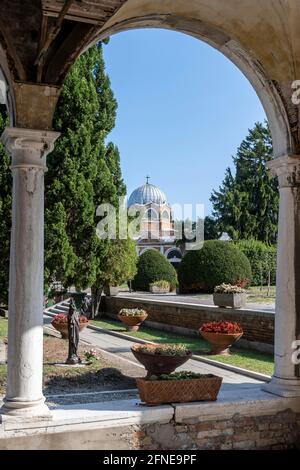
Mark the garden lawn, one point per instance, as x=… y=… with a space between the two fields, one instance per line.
x=261 y=295
x=100 y=375
x=250 y=360
x=3 y=328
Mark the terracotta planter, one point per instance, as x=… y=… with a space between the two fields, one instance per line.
x=132 y=323
x=63 y=328
x=220 y=342
x=230 y=300
x=158 y=364
x=157 y=392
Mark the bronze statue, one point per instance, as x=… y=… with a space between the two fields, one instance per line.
x=73 y=329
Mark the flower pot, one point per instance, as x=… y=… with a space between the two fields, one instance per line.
x=132 y=322
x=63 y=328
x=221 y=342
x=230 y=300
x=157 y=392
x=159 y=290
x=159 y=364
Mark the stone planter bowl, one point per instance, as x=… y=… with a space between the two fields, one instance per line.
x=220 y=342
x=132 y=323
x=230 y=300
x=63 y=328
x=159 y=364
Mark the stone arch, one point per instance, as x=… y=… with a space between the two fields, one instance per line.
x=151 y=215
x=267 y=90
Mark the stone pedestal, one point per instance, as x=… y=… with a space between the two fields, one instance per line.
x=28 y=149
x=286 y=379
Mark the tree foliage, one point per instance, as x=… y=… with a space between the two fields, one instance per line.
x=246 y=204
x=216 y=263
x=5 y=211
x=84 y=172
x=153 y=266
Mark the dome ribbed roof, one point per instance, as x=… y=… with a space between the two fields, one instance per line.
x=147 y=194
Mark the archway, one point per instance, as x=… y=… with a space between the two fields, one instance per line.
x=264 y=46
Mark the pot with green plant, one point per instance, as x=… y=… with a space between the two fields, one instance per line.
x=179 y=387
x=160 y=287
x=161 y=358
x=227 y=295
x=221 y=335
x=132 y=317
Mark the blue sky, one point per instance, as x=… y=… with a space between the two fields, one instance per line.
x=184 y=109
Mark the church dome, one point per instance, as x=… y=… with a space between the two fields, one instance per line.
x=147 y=194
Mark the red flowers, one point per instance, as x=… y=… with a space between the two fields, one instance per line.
x=226 y=327
x=63 y=318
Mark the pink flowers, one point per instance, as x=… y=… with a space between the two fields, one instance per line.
x=63 y=318
x=223 y=326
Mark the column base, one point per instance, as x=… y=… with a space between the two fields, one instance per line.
x=25 y=409
x=283 y=387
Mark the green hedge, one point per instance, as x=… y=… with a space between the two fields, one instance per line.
x=262 y=258
x=215 y=263
x=153 y=266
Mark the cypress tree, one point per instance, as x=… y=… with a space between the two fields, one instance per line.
x=246 y=204
x=5 y=211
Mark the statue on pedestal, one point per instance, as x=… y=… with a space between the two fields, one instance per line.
x=73 y=330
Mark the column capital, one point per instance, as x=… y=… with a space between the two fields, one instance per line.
x=28 y=147
x=287 y=169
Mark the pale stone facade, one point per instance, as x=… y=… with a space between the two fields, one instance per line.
x=156 y=228
x=37 y=48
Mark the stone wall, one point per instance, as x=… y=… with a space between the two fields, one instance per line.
x=280 y=431
x=258 y=326
x=267 y=432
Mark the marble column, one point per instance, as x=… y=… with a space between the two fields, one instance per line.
x=28 y=149
x=286 y=379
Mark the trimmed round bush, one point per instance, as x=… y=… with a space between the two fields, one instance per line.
x=153 y=266
x=216 y=263
x=262 y=259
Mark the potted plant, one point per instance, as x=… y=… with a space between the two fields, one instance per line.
x=160 y=287
x=179 y=387
x=227 y=295
x=221 y=335
x=161 y=358
x=60 y=323
x=132 y=317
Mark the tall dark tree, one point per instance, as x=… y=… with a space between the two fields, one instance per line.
x=84 y=172
x=246 y=204
x=5 y=211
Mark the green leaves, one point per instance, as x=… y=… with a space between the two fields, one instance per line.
x=246 y=204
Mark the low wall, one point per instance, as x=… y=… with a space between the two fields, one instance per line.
x=183 y=318
x=256 y=424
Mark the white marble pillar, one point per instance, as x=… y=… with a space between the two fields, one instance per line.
x=28 y=149
x=286 y=379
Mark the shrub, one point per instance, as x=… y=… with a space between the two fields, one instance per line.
x=153 y=266
x=262 y=259
x=229 y=289
x=216 y=263
x=162 y=349
x=132 y=312
x=226 y=327
x=63 y=318
x=183 y=375
x=162 y=284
